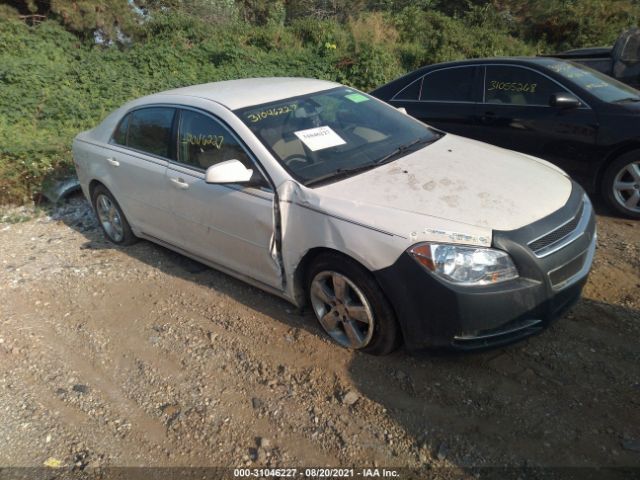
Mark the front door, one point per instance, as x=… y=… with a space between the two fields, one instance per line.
x=230 y=225
x=516 y=114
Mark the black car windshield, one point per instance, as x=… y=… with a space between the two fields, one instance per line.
x=334 y=133
x=598 y=84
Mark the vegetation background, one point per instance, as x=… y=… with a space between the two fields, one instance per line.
x=64 y=64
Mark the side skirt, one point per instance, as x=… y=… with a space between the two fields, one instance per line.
x=215 y=266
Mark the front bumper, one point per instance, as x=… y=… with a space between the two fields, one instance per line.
x=553 y=264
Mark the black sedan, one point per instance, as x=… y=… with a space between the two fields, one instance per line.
x=577 y=118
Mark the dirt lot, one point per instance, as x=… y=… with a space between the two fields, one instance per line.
x=141 y=357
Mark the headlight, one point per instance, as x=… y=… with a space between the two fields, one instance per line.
x=465 y=265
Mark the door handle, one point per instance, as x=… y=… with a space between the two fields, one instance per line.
x=113 y=162
x=179 y=183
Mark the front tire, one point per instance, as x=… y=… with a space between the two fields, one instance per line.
x=350 y=306
x=111 y=218
x=621 y=184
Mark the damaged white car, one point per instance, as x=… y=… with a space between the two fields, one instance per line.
x=389 y=230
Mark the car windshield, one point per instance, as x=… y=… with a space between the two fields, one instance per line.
x=334 y=133
x=598 y=84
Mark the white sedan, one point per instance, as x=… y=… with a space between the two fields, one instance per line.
x=388 y=229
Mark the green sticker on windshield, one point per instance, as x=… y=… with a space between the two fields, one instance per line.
x=356 y=97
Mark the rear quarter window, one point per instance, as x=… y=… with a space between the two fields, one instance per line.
x=410 y=92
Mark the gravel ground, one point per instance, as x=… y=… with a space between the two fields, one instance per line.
x=140 y=357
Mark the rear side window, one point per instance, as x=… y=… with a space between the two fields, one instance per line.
x=518 y=86
x=202 y=142
x=148 y=130
x=449 y=85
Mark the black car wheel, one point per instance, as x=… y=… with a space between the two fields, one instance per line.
x=350 y=305
x=621 y=184
x=112 y=221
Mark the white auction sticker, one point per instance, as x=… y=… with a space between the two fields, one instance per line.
x=319 y=138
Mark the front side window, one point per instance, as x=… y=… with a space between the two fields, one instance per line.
x=335 y=132
x=507 y=85
x=203 y=141
x=147 y=130
x=449 y=85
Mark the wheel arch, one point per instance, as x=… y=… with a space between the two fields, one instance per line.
x=611 y=157
x=92 y=187
x=302 y=269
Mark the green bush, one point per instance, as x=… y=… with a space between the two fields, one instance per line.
x=55 y=81
x=564 y=24
x=431 y=37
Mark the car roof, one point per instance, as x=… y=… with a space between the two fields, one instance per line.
x=386 y=91
x=235 y=94
x=515 y=60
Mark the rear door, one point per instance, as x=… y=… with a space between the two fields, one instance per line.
x=230 y=225
x=516 y=114
x=444 y=98
x=136 y=165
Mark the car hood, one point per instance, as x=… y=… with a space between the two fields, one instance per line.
x=455 y=188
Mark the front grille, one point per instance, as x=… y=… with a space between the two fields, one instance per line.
x=557 y=235
x=567 y=271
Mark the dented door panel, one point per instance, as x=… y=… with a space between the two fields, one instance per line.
x=228 y=225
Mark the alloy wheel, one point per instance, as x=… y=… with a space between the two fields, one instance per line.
x=626 y=187
x=109 y=217
x=342 y=309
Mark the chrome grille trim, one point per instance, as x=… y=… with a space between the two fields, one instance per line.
x=569 y=231
x=556 y=234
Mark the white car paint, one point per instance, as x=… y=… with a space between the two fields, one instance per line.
x=456 y=179
x=455 y=190
x=235 y=94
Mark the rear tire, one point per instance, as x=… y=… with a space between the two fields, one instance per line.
x=621 y=184
x=350 y=306
x=111 y=218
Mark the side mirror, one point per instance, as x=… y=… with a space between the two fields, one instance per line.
x=231 y=171
x=402 y=110
x=564 y=100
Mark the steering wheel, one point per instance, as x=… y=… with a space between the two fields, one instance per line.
x=291 y=160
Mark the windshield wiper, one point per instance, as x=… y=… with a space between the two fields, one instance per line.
x=402 y=149
x=346 y=172
x=340 y=173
